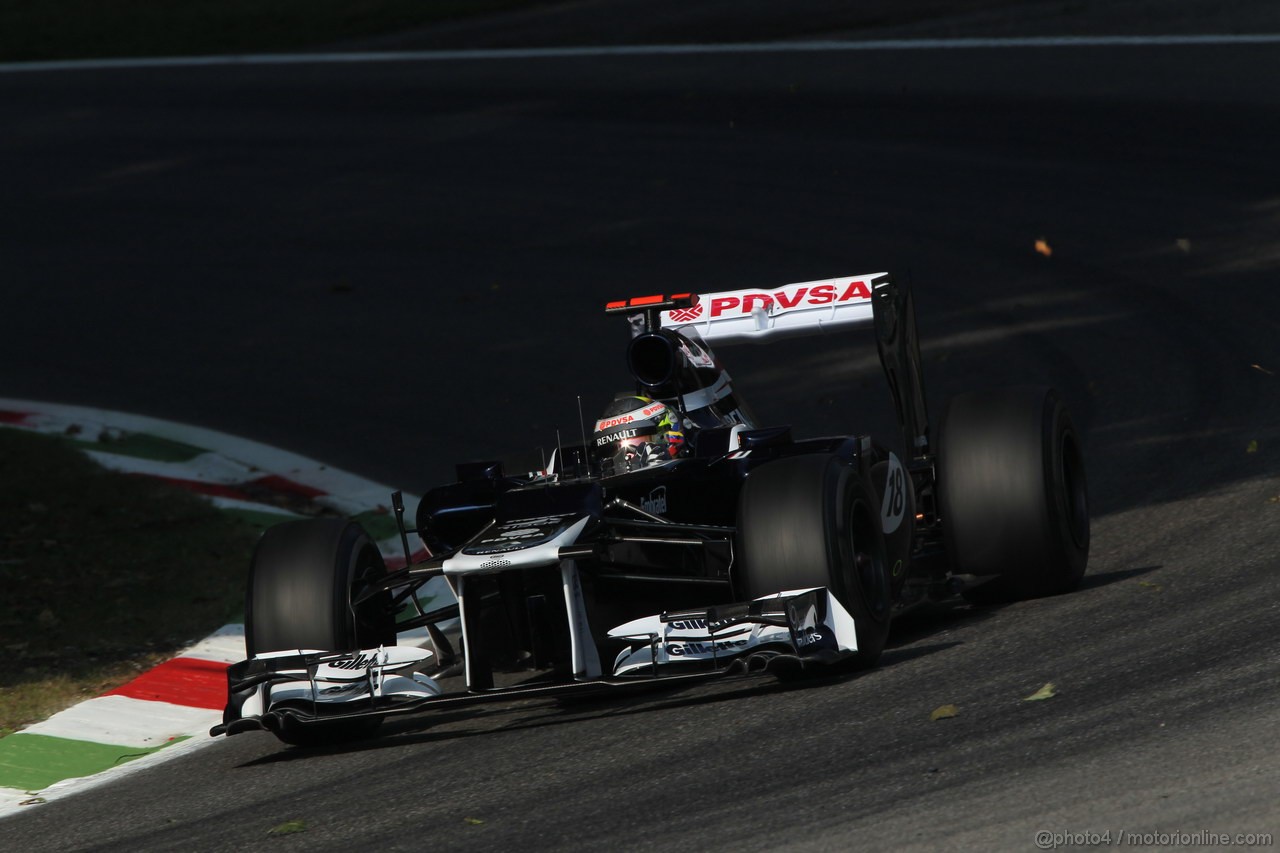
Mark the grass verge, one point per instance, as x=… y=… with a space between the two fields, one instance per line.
x=104 y=575
x=74 y=29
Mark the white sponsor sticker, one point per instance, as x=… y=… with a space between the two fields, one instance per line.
x=894 y=505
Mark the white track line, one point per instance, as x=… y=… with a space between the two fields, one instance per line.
x=634 y=50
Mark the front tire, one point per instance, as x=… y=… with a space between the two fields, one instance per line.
x=1012 y=493
x=301 y=584
x=809 y=521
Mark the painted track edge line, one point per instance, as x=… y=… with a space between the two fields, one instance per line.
x=491 y=54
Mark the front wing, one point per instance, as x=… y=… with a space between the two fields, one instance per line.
x=788 y=631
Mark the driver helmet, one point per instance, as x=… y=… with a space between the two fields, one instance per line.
x=636 y=432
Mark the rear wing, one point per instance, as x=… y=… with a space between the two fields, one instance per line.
x=760 y=315
x=756 y=316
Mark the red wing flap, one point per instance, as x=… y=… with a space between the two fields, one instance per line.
x=647 y=303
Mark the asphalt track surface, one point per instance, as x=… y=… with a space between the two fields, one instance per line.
x=392 y=267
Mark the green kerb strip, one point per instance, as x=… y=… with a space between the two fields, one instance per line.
x=34 y=762
x=143 y=446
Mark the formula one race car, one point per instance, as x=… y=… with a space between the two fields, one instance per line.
x=682 y=541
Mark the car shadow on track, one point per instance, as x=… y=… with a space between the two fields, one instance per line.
x=1106 y=578
x=930 y=621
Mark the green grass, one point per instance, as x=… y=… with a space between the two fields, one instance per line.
x=103 y=574
x=72 y=29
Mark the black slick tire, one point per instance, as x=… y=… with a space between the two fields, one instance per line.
x=809 y=521
x=1012 y=493
x=301 y=584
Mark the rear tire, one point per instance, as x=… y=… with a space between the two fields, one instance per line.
x=301 y=583
x=809 y=521
x=1012 y=493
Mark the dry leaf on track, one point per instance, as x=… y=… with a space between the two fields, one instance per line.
x=1045 y=692
x=288 y=828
